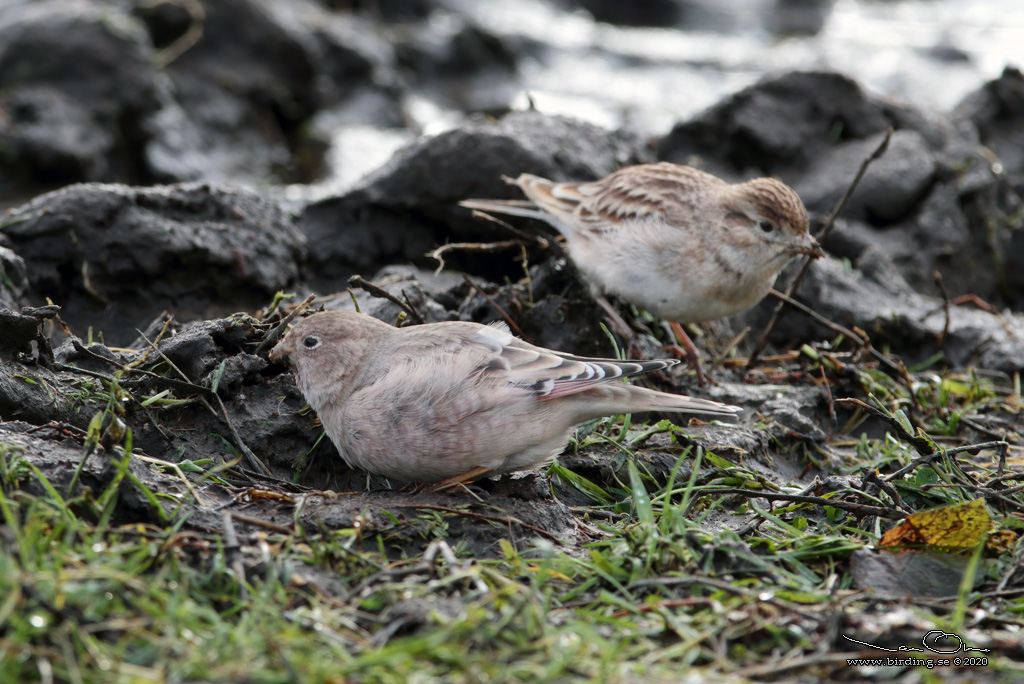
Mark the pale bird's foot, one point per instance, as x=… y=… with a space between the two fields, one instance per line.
x=457 y=480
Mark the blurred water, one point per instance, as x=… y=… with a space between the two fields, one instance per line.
x=930 y=53
x=927 y=52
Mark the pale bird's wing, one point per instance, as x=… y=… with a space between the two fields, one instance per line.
x=549 y=374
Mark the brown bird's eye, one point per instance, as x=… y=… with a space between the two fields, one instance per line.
x=311 y=342
x=766 y=226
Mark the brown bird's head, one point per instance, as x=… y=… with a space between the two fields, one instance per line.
x=774 y=216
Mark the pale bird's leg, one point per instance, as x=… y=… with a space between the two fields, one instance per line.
x=689 y=350
x=455 y=480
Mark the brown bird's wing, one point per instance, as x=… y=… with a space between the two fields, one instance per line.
x=549 y=374
x=636 y=193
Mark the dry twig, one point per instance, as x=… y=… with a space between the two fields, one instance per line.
x=829 y=223
x=504 y=314
x=378 y=291
x=274 y=335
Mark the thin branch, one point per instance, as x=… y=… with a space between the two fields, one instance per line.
x=855 y=508
x=829 y=223
x=922 y=445
x=729 y=587
x=378 y=291
x=859 y=339
x=274 y=335
x=192 y=35
x=470 y=247
x=941 y=341
x=538 y=240
x=504 y=314
x=246 y=451
x=259 y=522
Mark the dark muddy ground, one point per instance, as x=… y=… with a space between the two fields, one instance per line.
x=128 y=250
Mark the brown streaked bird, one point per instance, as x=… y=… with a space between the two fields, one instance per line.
x=678 y=242
x=458 y=400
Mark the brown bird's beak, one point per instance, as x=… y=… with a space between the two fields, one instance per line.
x=812 y=248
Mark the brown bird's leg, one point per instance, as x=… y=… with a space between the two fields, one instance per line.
x=455 y=480
x=689 y=350
x=620 y=327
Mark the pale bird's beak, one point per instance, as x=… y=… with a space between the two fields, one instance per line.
x=280 y=353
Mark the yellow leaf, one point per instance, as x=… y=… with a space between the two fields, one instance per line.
x=957 y=527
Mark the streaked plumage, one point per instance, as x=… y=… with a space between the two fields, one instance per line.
x=681 y=243
x=434 y=401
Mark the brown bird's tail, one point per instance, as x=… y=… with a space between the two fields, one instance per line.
x=524 y=208
x=550 y=202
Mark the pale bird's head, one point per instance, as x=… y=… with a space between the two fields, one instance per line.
x=328 y=345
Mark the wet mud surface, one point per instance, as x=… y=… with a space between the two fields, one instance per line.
x=139 y=274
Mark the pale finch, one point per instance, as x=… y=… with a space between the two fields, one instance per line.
x=671 y=239
x=455 y=401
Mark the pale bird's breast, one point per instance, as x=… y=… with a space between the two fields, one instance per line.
x=672 y=274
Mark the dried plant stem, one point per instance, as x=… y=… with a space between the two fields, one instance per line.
x=829 y=223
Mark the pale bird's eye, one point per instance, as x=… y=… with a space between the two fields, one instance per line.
x=311 y=342
x=766 y=226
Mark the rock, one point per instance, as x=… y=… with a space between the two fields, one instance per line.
x=31 y=389
x=997 y=110
x=78 y=85
x=650 y=13
x=238 y=95
x=208 y=132
x=50 y=139
x=258 y=50
x=791 y=412
x=798 y=17
x=925 y=208
x=21 y=335
x=58 y=460
x=877 y=300
x=993 y=202
x=352 y=54
x=95 y=358
x=779 y=126
x=409 y=206
x=13 y=279
x=892 y=187
x=117 y=256
x=953 y=232
x=915 y=573
x=456 y=61
x=450 y=45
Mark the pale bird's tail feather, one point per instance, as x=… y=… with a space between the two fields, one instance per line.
x=615 y=398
